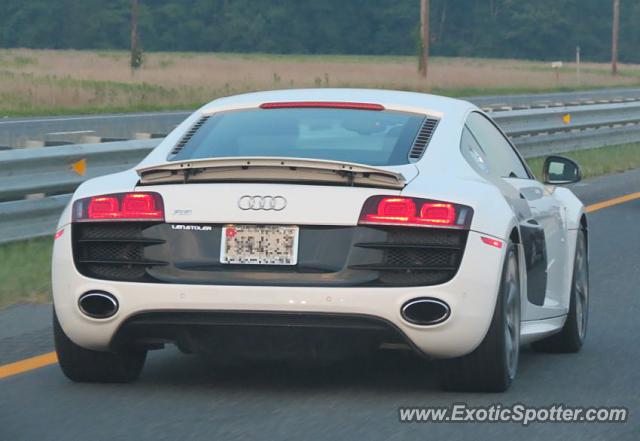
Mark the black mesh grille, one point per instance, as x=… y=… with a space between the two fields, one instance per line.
x=414 y=278
x=427 y=236
x=423 y=138
x=408 y=257
x=128 y=273
x=327 y=256
x=417 y=256
x=110 y=231
x=113 y=251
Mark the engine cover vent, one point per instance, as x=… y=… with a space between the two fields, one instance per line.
x=187 y=136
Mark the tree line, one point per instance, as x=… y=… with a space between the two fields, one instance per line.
x=531 y=29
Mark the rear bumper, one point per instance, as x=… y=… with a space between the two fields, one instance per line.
x=471 y=295
x=232 y=336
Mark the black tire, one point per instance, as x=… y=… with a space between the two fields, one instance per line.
x=492 y=366
x=571 y=338
x=86 y=366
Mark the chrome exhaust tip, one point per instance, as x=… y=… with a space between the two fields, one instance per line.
x=98 y=304
x=425 y=311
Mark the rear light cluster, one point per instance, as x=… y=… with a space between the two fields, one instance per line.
x=136 y=206
x=414 y=212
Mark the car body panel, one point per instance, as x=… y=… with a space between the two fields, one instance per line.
x=471 y=296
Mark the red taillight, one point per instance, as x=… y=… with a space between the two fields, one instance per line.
x=438 y=213
x=394 y=210
x=322 y=104
x=120 y=206
x=142 y=206
x=103 y=207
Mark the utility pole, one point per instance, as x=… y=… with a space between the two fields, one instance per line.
x=614 y=39
x=424 y=35
x=578 y=65
x=135 y=53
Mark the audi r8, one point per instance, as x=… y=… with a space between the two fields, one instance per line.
x=323 y=224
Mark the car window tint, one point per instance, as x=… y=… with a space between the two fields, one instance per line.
x=503 y=161
x=472 y=152
x=360 y=136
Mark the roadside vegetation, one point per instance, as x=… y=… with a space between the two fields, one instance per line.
x=600 y=161
x=25 y=267
x=541 y=30
x=54 y=82
x=25 y=272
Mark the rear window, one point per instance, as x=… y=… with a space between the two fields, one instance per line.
x=360 y=136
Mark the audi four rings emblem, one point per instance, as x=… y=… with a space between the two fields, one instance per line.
x=274 y=203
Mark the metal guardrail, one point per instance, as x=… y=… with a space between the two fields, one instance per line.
x=548 y=144
x=17 y=132
x=30 y=218
x=48 y=170
x=556 y=99
x=43 y=175
x=57 y=130
x=563 y=119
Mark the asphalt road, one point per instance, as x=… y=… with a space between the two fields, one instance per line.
x=182 y=397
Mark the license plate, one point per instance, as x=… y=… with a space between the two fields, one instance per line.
x=259 y=245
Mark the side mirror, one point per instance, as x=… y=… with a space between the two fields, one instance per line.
x=559 y=170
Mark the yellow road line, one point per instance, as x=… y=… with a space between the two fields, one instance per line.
x=611 y=202
x=29 y=364
x=50 y=358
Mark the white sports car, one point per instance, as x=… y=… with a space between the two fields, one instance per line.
x=322 y=223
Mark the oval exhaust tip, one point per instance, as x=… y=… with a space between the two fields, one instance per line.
x=425 y=311
x=98 y=304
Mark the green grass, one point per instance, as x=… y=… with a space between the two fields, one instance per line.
x=137 y=96
x=84 y=110
x=313 y=58
x=25 y=266
x=17 y=61
x=47 y=82
x=25 y=272
x=600 y=161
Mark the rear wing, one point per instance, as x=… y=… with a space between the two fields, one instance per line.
x=270 y=169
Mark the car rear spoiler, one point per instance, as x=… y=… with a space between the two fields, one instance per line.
x=269 y=169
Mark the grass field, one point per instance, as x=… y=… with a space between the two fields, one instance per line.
x=597 y=162
x=42 y=82
x=25 y=271
x=25 y=266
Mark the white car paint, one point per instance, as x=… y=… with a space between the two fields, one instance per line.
x=442 y=174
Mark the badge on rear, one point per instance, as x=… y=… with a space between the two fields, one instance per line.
x=191 y=227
